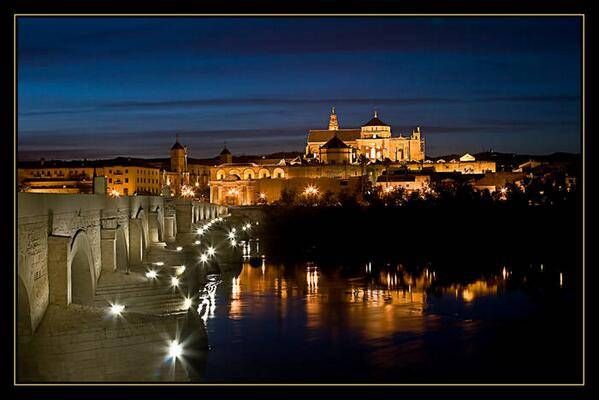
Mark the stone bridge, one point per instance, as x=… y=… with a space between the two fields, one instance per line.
x=66 y=241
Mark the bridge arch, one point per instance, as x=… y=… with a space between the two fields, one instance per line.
x=81 y=266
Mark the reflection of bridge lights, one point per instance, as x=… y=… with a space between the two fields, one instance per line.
x=204 y=258
x=561 y=279
x=504 y=273
x=175 y=350
x=187 y=303
x=211 y=251
x=151 y=274
x=117 y=309
x=174 y=281
x=467 y=295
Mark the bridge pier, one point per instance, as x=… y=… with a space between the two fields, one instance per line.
x=169 y=229
x=136 y=245
x=108 y=249
x=154 y=227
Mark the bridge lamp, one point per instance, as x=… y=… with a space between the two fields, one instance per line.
x=175 y=350
x=179 y=248
x=196 y=242
x=180 y=269
x=159 y=263
x=248 y=226
x=211 y=251
x=204 y=258
x=231 y=235
x=233 y=230
x=187 y=303
x=174 y=281
x=151 y=274
x=117 y=309
x=244 y=228
x=233 y=242
x=200 y=231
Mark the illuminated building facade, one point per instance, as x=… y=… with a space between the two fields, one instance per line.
x=373 y=140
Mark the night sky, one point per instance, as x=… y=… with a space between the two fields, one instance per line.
x=104 y=87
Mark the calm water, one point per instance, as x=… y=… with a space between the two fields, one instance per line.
x=380 y=323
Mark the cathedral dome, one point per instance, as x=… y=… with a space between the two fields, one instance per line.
x=375 y=121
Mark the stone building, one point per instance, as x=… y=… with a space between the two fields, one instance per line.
x=374 y=140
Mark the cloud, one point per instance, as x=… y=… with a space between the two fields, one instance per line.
x=140 y=105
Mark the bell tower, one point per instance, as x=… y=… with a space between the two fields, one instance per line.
x=333 y=122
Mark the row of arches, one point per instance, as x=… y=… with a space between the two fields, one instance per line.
x=250 y=173
x=72 y=274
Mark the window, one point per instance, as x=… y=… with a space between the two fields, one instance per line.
x=109 y=180
x=110 y=171
x=126 y=171
x=126 y=180
x=126 y=191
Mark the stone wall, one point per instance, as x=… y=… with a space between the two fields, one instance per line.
x=43 y=215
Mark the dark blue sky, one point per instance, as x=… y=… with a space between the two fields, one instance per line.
x=102 y=87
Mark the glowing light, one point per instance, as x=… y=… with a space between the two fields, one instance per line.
x=151 y=274
x=263 y=196
x=233 y=242
x=179 y=248
x=211 y=251
x=187 y=191
x=504 y=273
x=541 y=267
x=200 y=231
x=187 y=303
x=561 y=279
x=388 y=189
x=233 y=230
x=175 y=350
x=311 y=190
x=159 y=263
x=117 y=309
x=114 y=193
x=174 y=281
x=244 y=228
x=231 y=234
x=197 y=242
x=467 y=295
x=204 y=258
x=180 y=269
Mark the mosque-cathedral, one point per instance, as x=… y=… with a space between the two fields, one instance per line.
x=335 y=159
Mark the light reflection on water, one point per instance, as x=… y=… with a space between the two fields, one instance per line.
x=268 y=323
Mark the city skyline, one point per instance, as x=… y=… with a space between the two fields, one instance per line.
x=106 y=87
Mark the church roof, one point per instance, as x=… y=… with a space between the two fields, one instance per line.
x=323 y=135
x=177 y=146
x=334 y=143
x=225 y=151
x=375 y=122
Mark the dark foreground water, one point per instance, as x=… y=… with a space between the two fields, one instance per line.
x=386 y=323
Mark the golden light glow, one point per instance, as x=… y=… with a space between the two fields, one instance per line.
x=114 y=193
x=311 y=190
x=187 y=191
